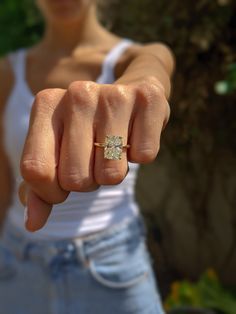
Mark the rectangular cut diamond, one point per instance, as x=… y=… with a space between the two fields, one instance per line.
x=113 y=147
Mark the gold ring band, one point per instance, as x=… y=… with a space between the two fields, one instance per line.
x=104 y=145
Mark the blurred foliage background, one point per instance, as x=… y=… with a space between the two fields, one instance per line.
x=188 y=195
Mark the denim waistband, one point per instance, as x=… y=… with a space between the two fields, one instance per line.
x=79 y=248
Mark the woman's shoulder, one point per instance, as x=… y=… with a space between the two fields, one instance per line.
x=6 y=80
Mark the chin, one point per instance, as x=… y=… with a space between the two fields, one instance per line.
x=64 y=9
x=65 y=6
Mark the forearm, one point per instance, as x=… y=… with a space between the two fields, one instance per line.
x=150 y=62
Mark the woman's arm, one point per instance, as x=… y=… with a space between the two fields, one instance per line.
x=151 y=60
x=6 y=182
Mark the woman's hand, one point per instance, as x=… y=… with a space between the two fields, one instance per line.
x=59 y=155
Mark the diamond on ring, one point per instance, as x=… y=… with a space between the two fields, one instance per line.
x=113 y=147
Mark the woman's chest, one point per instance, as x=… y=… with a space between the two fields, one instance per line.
x=60 y=73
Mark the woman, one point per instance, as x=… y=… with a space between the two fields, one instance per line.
x=88 y=254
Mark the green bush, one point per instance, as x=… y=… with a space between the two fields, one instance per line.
x=207 y=293
x=20 y=24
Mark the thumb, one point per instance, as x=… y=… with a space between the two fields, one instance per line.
x=22 y=192
x=37 y=211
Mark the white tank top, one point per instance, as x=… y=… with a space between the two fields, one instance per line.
x=81 y=213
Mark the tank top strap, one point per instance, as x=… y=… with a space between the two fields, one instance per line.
x=17 y=61
x=107 y=74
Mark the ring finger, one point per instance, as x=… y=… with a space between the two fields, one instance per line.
x=113 y=120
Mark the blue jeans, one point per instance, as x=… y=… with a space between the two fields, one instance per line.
x=109 y=272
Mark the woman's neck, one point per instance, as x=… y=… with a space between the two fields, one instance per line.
x=65 y=37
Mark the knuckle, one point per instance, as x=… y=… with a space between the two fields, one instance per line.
x=110 y=176
x=75 y=182
x=113 y=96
x=144 y=155
x=82 y=93
x=47 y=99
x=43 y=96
x=120 y=93
x=48 y=95
x=150 y=92
x=74 y=87
x=35 y=170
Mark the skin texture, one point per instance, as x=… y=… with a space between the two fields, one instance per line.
x=73 y=112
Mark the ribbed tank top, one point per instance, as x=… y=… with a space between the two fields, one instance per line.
x=81 y=213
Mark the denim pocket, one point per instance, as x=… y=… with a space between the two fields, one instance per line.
x=8 y=264
x=120 y=266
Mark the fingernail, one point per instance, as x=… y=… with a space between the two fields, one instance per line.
x=26 y=215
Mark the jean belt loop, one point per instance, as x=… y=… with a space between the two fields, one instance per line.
x=80 y=251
